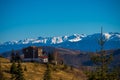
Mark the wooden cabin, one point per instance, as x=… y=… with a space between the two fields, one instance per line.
x=33 y=53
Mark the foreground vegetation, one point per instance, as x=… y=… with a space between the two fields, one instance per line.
x=37 y=71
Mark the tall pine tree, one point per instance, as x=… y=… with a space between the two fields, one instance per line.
x=13 y=68
x=19 y=75
x=47 y=74
x=102 y=60
x=16 y=72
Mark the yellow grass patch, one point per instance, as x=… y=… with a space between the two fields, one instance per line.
x=35 y=71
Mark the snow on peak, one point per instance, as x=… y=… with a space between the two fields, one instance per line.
x=65 y=37
x=112 y=36
x=76 y=37
x=60 y=39
x=66 y=41
x=56 y=40
x=75 y=40
x=107 y=35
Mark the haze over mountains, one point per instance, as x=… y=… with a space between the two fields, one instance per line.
x=82 y=42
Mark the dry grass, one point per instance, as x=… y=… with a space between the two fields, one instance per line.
x=35 y=71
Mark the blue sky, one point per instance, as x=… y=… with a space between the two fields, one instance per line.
x=20 y=19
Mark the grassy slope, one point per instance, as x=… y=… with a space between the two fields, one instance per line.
x=36 y=71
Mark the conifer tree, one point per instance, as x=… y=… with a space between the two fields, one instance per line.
x=47 y=74
x=102 y=61
x=16 y=72
x=13 y=68
x=19 y=75
x=13 y=71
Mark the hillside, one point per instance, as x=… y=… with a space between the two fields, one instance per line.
x=35 y=71
x=75 y=57
x=78 y=58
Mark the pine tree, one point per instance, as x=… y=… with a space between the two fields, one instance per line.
x=13 y=69
x=16 y=72
x=19 y=75
x=102 y=61
x=47 y=74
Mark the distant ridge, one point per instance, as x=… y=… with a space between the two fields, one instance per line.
x=81 y=42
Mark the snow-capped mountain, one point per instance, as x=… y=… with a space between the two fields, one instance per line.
x=76 y=41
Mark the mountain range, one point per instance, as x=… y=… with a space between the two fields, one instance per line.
x=82 y=42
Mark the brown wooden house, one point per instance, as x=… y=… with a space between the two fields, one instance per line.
x=34 y=53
